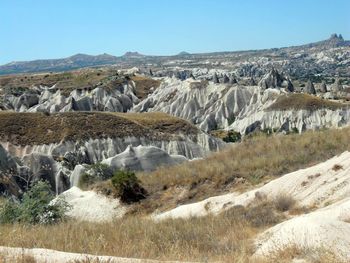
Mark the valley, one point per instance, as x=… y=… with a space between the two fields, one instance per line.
x=213 y=157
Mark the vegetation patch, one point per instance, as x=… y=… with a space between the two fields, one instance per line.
x=35 y=207
x=220 y=238
x=299 y=101
x=128 y=187
x=38 y=128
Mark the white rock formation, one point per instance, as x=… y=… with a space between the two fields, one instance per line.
x=140 y=158
x=208 y=105
x=241 y=108
x=92 y=207
x=326 y=229
x=45 y=161
x=143 y=158
x=190 y=146
x=46 y=99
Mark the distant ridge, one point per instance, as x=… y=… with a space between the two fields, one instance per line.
x=73 y=62
x=83 y=60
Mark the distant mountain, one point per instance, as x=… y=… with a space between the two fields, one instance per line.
x=73 y=62
x=133 y=55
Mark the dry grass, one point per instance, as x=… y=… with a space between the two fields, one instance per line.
x=86 y=79
x=284 y=202
x=161 y=122
x=144 y=85
x=38 y=128
x=227 y=237
x=16 y=259
x=240 y=166
x=299 y=101
x=291 y=253
x=197 y=239
x=65 y=81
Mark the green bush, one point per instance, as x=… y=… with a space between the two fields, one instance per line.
x=128 y=187
x=232 y=136
x=35 y=207
x=9 y=212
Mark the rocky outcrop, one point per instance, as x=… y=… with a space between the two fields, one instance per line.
x=215 y=78
x=225 y=79
x=8 y=173
x=336 y=86
x=275 y=80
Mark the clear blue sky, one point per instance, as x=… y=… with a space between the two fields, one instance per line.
x=35 y=29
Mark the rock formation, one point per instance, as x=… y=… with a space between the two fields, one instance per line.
x=336 y=86
x=275 y=80
x=323 y=87
x=226 y=79
x=309 y=88
x=215 y=79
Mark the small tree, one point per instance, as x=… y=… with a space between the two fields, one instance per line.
x=36 y=207
x=128 y=186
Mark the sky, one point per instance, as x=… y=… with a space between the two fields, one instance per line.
x=45 y=29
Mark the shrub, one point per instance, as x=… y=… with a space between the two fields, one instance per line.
x=284 y=202
x=232 y=136
x=128 y=186
x=9 y=212
x=36 y=207
x=260 y=214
